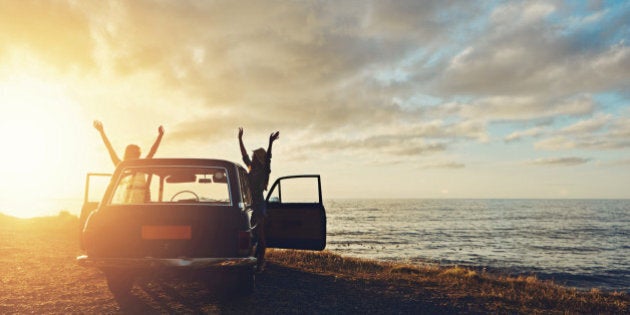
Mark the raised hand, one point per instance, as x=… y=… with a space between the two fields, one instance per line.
x=98 y=125
x=274 y=136
x=240 y=132
x=161 y=130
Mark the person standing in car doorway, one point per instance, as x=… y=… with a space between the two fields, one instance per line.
x=137 y=190
x=259 y=168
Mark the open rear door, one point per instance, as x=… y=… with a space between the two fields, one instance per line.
x=95 y=185
x=296 y=217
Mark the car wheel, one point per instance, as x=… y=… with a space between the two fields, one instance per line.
x=119 y=282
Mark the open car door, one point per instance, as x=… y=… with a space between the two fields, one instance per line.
x=296 y=218
x=95 y=185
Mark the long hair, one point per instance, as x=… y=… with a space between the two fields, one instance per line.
x=259 y=156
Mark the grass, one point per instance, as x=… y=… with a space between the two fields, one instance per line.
x=489 y=291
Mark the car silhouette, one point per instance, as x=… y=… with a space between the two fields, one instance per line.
x=182 y=216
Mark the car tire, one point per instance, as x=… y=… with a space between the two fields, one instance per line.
x=119 y=282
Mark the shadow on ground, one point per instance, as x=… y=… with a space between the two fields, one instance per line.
x=281 y=290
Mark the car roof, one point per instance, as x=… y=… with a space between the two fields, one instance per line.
x=178 y=161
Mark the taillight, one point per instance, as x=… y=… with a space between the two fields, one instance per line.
x=244 y=242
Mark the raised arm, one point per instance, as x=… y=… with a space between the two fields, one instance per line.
x=156 y=144
x=246 y=159
x=112 y=154
x=273 y=137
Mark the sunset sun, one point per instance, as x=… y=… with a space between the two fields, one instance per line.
x=41 y=143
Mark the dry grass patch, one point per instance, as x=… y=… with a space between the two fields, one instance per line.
x=496 y=292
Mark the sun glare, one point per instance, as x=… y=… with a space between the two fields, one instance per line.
x=41 y=143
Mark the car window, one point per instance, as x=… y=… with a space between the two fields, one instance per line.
x=131 y=188
x=295 y=189
x=182 y=184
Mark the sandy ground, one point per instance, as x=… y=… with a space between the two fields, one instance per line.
x=38 y=274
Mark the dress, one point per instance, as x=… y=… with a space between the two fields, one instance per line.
x=258 y=177
x=132 y=189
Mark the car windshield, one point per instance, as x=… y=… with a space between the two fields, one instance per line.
x=172 y=184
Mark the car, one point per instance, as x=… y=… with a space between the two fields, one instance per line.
x=182 y=215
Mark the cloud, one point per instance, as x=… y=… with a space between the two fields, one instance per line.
x=595 y=143
x=518 y=135
x=590 y=125
x=392 y=145
x=318 y=71
x=352 y=76
x=525 y=52
x=438 y=129
x=561 y=161
x=521 y=13
x=255 y=55
x=600 y=132
x=443 y=165
x=400 y=138
x=619 y=162
x=59 y=33
x=519 y=108
x=620 y=128
x=555 y=143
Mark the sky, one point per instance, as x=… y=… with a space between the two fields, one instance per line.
x=384 y=99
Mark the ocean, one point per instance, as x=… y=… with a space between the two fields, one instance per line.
x=578 y=243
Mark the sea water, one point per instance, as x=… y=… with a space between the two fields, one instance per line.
x=578 y=243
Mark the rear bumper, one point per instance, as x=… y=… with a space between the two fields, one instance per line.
x=178 y=263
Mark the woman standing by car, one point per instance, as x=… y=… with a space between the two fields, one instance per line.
x=259 y=168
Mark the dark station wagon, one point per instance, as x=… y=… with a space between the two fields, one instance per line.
x=193 y=215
